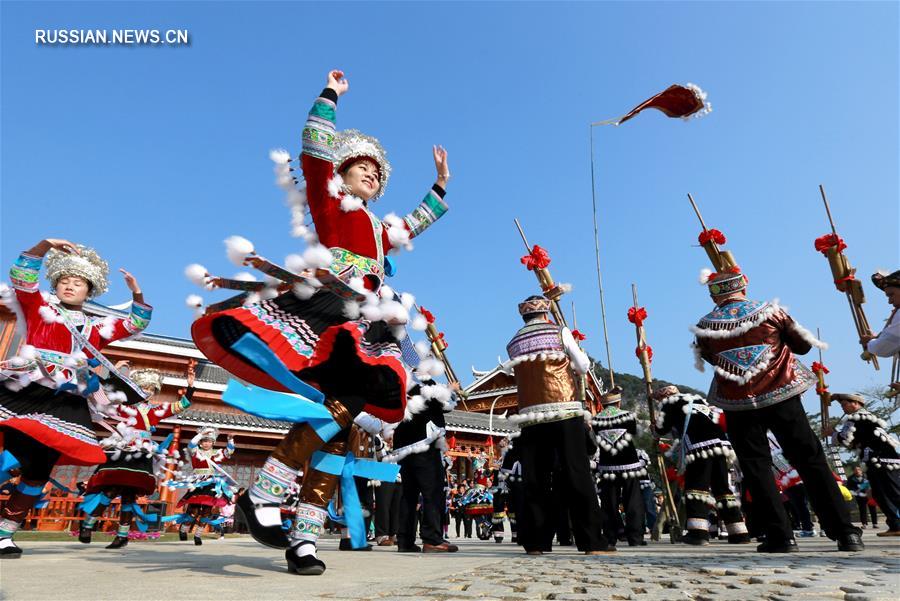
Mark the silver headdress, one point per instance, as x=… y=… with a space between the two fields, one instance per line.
x=352 y=144
x=148 y=378
x=87 y=265
x=209 y=432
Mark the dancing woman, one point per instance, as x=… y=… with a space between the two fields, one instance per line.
x=132 y=457
x=322 y=339
x=44 y=414
x=208 y=486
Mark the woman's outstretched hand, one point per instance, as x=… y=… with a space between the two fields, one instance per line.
x=337 y=82
x=440 y=164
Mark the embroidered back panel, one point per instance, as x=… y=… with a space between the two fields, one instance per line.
x=536 y=338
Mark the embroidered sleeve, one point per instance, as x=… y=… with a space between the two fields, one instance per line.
x=398 y=232
x=317 y=161
x=228 y=451
x=165 y=410
x=24 y=273
x=136 y=322
x=319 y=131
x=24 y=278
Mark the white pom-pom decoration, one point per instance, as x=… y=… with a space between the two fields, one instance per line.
x=196 y=273
x=280 y=156
x=705 y=275
x=334 y=186
x=350 y=203
x=398 y=235
x=419 y=323
x=318 y=256
x=237 y=248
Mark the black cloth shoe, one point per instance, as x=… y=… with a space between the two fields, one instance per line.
x=851 y=542
x=306 y=565
x=409 y=549
x=118 y=542
x=788 y=546
x=197 y=540
x=738 y=539
x=639 y=543
x=270 y=536
x=347 y=545
x=695 y=538
x=498 y=539
x=10 y=552
x=182 y=536
x=84 y=534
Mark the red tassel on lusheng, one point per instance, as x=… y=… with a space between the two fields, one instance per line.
x=578 y=335
x=536 y=259
x=715 y=235
x=426 y=314
x=823 y=243
x=817 y=367
x=647 y=348
x=637 y=315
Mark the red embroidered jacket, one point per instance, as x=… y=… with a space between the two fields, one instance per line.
x=43 y=320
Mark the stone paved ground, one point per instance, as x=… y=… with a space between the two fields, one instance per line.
x=240 y=569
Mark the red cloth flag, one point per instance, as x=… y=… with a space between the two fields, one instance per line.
x=674 y=101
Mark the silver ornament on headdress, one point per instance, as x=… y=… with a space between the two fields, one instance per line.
x=209 y=432
x=147 y=378
x=87 y=265
x=352 y=144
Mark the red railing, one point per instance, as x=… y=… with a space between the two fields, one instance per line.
x=62 y=514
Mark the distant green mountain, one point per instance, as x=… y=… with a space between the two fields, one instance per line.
x=634 y=395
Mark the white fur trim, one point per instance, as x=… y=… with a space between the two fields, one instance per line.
x=808 y=336
x=745 y=327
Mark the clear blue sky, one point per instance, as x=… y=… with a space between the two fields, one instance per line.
x=155 y=154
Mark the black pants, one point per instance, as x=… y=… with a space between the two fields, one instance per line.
x=422 y=473
x=461 y=517
x=797 y=496
x=387 y=508
x=862 y=504
x=711 y=476
x=542 y=445
x=628 y=493
x=886 y=492
x=787 y=421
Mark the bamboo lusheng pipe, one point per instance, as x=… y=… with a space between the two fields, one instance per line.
x=722 y=260
x=845 y=281
x=822 y=390
x=644 y=358
x=553 y=293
